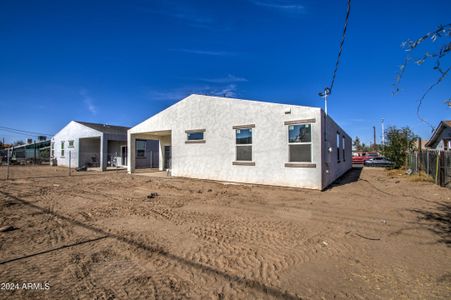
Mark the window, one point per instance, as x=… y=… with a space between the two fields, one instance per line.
x=243 y=144
x=71 y=144
x=140 y=149
x=195 y=136
x=62 y=148
x=300 y=143
x=343 y=142
x=338 y=147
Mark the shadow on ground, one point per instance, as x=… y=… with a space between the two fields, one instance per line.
x=353 y=175
x=437 y=220
x=246 y=282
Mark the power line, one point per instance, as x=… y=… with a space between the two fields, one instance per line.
x=19 y=131
x=328 y=90
x=343 y=36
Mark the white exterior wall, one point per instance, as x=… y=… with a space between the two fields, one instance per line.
x=332 y=168
x=72 y=131
x=213 y=159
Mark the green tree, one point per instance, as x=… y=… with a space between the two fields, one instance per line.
x=357 y=144
x=399 y=141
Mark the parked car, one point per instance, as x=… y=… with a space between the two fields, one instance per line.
x=361 y=157
x=379 y=162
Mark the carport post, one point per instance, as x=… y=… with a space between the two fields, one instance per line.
x=103 y=152
x=131 y=141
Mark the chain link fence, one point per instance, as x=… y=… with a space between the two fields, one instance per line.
x=38 y=164
x=20 y=164
x=436 y=164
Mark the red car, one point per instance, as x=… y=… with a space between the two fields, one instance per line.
x=360 y=157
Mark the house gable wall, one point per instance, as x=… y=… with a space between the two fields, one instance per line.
x=214 y=158
x=72 y=131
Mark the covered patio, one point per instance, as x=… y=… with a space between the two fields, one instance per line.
x=164 y=149
x=102 y=152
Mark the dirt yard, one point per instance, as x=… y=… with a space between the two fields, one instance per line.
x=373 y=235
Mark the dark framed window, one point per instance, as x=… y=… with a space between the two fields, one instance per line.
x=343 y=143
x=243 y=137
x=62 y=148
x=338 y=147
x=71 y=144
x=195 y=136
x=300 y=143
x=141 y=148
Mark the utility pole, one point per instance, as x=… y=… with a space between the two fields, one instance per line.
x=374 y=137
x=383 y=132
x=324 y=95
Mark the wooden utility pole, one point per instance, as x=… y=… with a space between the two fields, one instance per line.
x=374 y=137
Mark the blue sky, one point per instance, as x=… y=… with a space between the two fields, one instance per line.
x=121 y=62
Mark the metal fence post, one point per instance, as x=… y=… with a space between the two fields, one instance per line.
x=7 y=166
x=70 y=159
x=436 y=167
x=416 y=162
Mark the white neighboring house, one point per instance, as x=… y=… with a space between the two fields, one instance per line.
x=95 y=145
x=247 y=141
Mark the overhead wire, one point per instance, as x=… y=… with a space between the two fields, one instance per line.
x=19 y=131
x=328 y=90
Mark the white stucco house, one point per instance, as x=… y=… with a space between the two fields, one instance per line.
x=99 y=146
x=247 y=141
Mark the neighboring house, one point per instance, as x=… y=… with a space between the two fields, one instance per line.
x=95 y=145
x=34 y=152
x=247 y=141
x=441 y=137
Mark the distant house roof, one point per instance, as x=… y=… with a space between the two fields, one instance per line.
x=438 y=131
x=105 y=128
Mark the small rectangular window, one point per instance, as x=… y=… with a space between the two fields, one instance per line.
x=62 y=148
x=195 y=136
x=71 y=144
x=244 y=144
x=300 y=143
x=338 y=147
x=140 y=149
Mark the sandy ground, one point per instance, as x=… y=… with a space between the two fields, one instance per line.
x=374 y=235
